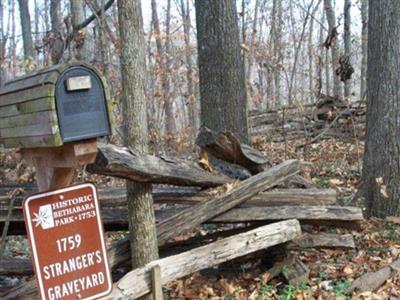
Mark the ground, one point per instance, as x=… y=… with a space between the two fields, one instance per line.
x=336 y=164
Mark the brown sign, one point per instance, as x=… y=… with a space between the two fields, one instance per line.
x=67 y=241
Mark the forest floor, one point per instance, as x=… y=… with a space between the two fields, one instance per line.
x=337 y=165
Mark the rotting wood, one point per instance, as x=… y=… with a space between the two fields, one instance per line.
x=194 y=216
x=123 y=163
x=116 y=197
x=227 y=147
x=295 y=271
x=207 y=256
x=323 y=240
x=336 y=213
x=373 y=280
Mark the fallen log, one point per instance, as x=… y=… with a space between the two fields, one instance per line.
x=115 y=218
x=115 y=197
x=227 y=147
x=328 y=213
x=373 y=280
x=180 y=265
x=322 y=240
x=195 y=215
x=121 y=162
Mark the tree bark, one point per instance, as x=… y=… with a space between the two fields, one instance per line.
x=347 y=43
x=364 y=47
x=142 y=230
x=332 y=27
x=57 y=43
x=25 y=18
x=191 y=94
x=221 y=69
x=78 y=16
x=381 y=170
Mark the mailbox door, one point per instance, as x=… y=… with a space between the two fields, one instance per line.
x=81 y=105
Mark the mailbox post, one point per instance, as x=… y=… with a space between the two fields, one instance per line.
x=55 y=116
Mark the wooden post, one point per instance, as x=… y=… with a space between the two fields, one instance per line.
x=156 y=283
x=55 y=165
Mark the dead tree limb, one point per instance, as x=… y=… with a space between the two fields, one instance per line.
x=121 y=162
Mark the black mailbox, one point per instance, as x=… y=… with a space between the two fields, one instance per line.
x=64 y=103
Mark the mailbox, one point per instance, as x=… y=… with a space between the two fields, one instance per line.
x=64 y=103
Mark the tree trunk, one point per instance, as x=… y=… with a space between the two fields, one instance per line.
x=163 y=70
x=221 y=68
x=25 y=18
x=277 y=49
x=78 y=16
x=2 y=44
x=191 y=95
x=143 y=237
x=347 y=43
x=56 y=44
x=364 y=46
x=381 y=171
x=330 y=15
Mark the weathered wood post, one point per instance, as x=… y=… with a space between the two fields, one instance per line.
x=54 y=116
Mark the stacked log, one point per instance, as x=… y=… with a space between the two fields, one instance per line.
x=334 y=118
x=205 y=197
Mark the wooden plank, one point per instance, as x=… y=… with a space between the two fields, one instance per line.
x=121 y=162
x=41 y=104
x=180 y=265
x=38 y=92
x=323 y=240
x=197 y=214
x=156 y=284
x=36 y=118
x=119 y=252
x=336 y=213
x=46 y=140
x=29 y=131
x=44 y=76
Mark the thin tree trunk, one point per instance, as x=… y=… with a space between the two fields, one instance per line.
x=191 y=95
x=25 y=19
x=277 y=49
x=364 y=47
x=347 y=43
x=296 y=54
x=2 y=44
x=321 y=54
x=252 y=41
x=78 y=16
x=330 y=15
x=221 y=68
x=142 y=230
x=57 y=43
x=381 y=168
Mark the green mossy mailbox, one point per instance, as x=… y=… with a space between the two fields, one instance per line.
x=54 y=106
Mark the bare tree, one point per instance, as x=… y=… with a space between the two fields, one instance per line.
x=191 y=96
x=56 y=41
x=78 y=17
x=381 y=168
x=221 y=69
x=331 y=42
x=276 y=30
x=347 y=43
x=364 y=46
x=142 y=230
x=25 y=18
x=163 y=71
